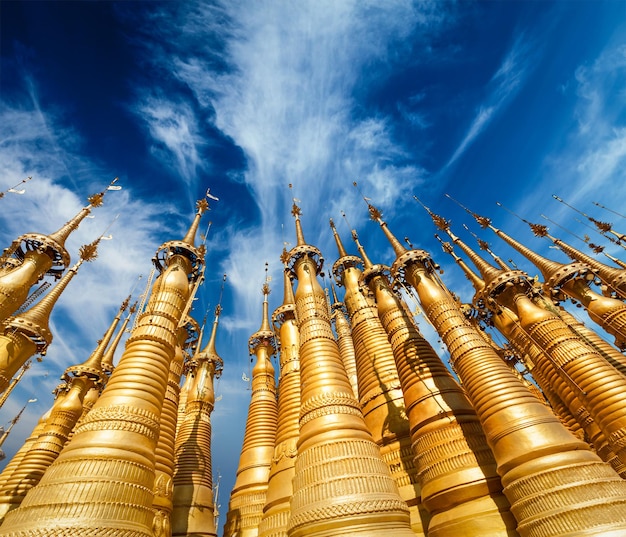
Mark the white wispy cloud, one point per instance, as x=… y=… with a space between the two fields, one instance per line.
x=173 y=127
x=279 y=80
x=501 y=88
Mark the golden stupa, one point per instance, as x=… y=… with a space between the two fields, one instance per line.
x=358 y=428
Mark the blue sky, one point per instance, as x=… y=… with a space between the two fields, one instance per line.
x=486 y=101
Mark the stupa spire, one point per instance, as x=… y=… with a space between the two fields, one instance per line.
x=380 y=395
x=193 y=500
x=248 y=496
x=362 y=498
x=613 y=278
x=603 y=228
x=438 y=409
x=110 y=461
x=557 y=457
x=477 y=282
x=344 y=340
x=109 y=354
x=32 y=255
x=13 y=422
x=164 y=453
x=573 y=281
x=28 y=333
x=484 y=245
x=14 y=382
x=64 y=415
x=276 y=512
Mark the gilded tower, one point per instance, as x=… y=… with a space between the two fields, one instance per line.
x=279 y=489
x=32 y=255
x=341 y=486
x=553 y=482
x=379 y=389
x=65 y=413
x=249 y=493
x=601 y=387
x=193 y=475
x=564 y=398
x=460 y=485
x=344 y=340
x=28 y=333
x=103 y=481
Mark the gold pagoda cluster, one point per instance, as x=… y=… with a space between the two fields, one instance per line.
x=123 y=450
x=362 y=429
x=367 y=431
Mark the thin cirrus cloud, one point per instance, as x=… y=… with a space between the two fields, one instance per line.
x=502 y=87
x=593 y=154
x=281 y=86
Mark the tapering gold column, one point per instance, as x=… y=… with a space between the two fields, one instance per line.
x=28 y=333
x=573 y=281
x=602 y=389
x=21 y=453
x=279 y=489
x=344 y=340
x=36 y=255
x=556 y=486
x=380 y=392
x=460 y=485
x=102 y=482
x=194 y=507
x=341 y=486
x=65 y=413
x=614 y=278
x=563 y=400
x=162 y=503
x=249 y=493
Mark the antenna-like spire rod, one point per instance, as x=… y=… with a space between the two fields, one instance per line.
x=484 y=245
x=602 y=227
x=14 y=421
x=14 y=190
x=607 y=209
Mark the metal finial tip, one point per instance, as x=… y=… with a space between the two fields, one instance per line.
x=88 y=252
x=202 y=206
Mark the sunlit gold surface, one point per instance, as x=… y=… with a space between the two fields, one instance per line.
x=341 y=485
x=460 y=485
x=380 y=393
x=249 y=493
x=102 y=482
x=279 y=489
x=194 y=507
x=538 y=459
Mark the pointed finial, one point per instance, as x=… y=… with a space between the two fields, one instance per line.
x=474 y=279
x=107 y=359
x=95 y=200
x=439 y=221
x=202 y=205
x=34 y=322
x=482 y=221
x=376 y=215
x=603 y=207
x=92 y=367
x=264 y=335
x=340 y=248
x=366 y=260
x=296 y=212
